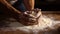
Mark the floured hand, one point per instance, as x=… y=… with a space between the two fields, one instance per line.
x=29 y=17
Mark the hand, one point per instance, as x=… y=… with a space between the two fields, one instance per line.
x=29 y=17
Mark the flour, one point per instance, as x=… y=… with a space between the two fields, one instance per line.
x=43 y=23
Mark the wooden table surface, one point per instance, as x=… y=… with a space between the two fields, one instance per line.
x=52 y=14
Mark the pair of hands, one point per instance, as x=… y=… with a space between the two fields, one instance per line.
x=29 y=17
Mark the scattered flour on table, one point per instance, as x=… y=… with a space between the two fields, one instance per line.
x=44 y=22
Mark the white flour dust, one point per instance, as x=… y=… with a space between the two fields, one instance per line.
x=44 y=22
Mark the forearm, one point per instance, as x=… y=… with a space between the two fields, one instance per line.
x=9 y=6
x=29 y=4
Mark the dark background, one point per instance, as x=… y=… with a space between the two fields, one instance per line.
x=48 y=5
